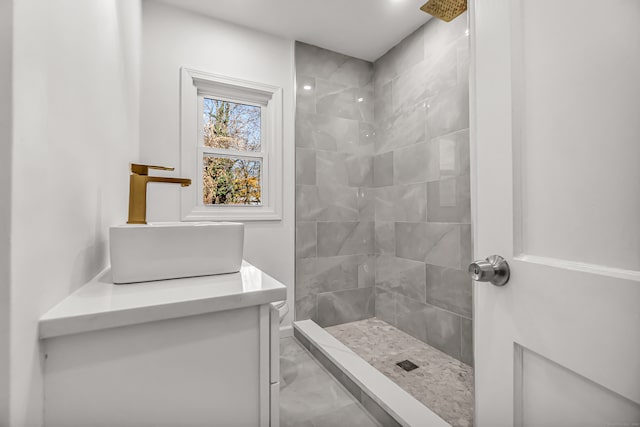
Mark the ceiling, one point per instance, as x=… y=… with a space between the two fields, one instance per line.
x=364 y=29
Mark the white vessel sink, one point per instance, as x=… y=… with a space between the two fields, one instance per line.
x=170 y=250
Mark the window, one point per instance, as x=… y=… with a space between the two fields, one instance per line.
x=231 y=140
x=231 y=133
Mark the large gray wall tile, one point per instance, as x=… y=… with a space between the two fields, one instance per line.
x=442 y=73
x=306 y=307
x=449 y=289
x=466 y=352
x=385 y=305
x=444 y=245
x=411 y=50
x=326 y=203
x=337 y=203
x=318 y=62
x=424 y=80
x=411 y=317
x=439 y=36
x=452 y=153
x=403 y=276
x=334 y=99
x=366 y=204
x=466 y=246
x=359 y=170
x=386 y=68
x=316 y=275
x=305 y=166
x=385 y=238
x=367 y=272
x=415 y=163
x=345 y=169
x=326 y=132
x=345 y=238
x=354 y=72
x=331 y=168
x=383 y=169
x=438 y=328
x=433 y=243
x=403 y=129
x=410 y=88
x=443 y=330
x=382 y=106
x=345 y=306
x=448 y=200
x=307 y=208
x=385 y=204
x=315 y=61
x=306 y=238
x=367 y=141
x=448 y=111
x=401 y=203
x=305 y=98
x=404 y=55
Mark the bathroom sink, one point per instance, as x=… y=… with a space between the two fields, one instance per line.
x=170 y=250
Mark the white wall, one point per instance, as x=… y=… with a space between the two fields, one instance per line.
x=173 y=38
x=6 y=27
x=75 y=130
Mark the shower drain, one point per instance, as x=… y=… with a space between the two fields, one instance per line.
x=407 y=365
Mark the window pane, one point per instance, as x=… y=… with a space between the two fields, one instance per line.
x=231 y=181
x=229 y=125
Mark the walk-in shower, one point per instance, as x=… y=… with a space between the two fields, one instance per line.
x=383 y=233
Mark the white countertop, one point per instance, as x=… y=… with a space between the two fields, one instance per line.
x=100 y=304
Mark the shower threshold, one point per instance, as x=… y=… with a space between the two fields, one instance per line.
x=441 y=382
x=384 y=399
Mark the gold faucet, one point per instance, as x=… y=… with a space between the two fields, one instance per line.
x=138 y=190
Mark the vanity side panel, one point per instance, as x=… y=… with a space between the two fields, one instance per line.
x=196 y=371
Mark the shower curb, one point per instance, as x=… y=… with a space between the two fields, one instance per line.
x=381 y=397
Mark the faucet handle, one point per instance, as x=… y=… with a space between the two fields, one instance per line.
x=144 y=169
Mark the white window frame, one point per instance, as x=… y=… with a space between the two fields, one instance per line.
x=196 y=85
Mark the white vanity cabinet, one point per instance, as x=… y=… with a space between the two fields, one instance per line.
x=186 y=352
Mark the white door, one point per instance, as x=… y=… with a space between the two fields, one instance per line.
x=555 y=96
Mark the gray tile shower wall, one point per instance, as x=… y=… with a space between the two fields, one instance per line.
x=422 y=191
x=382 y=187
x=335 y=229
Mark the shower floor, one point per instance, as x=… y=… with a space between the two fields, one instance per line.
x=442 y=383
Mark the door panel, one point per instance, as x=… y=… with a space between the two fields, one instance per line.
x=556 y=191
x=549 y=392
x=580 y=146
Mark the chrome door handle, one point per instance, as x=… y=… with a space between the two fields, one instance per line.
x=494 y=269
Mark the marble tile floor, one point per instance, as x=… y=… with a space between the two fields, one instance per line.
x=311 y=397
x=442 y=383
